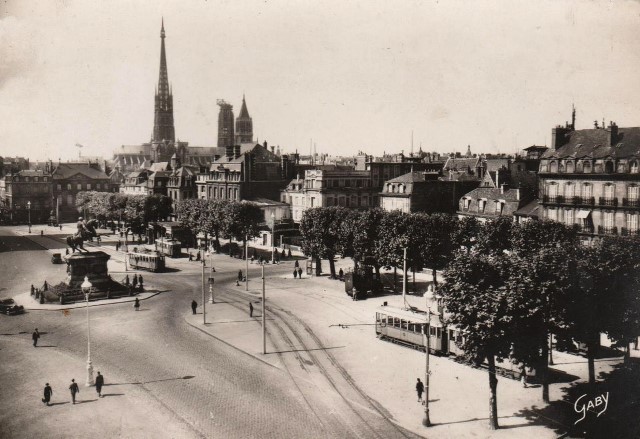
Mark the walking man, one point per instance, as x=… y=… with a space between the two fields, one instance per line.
x=48 y=391
x=194 y=305
x=295 y=273
x=99 y=384
x=140 y=281
x=35 y=336
x=73 y=388
x=419 y=389
x=523 y=375
x=137 y=304
x=250 y=309
x=299 y=272
x=134 y=282
x=240 y=277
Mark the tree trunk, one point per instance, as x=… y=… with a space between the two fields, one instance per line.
x=592 y=348
x=435 y=277
x=543 y=371
x=413 y=272
x=332 y=267
x=318 y=266
x=395 y=273
x=493 y=399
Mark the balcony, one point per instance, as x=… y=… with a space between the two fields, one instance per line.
x=631 y=202
x=587 y=201
x=553 y=199
x=613 y=202
x=602 y=230
x=585 y=228
x=629 y=232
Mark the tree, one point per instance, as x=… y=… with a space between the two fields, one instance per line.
x=320 y=228
x=241 y=220
x=466 y=232
x=476 y=298
x=494 y=236
x=215 y=218
x=393 y=237
x=436 y=246
x=531 y=236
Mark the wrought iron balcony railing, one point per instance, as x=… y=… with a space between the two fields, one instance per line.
x=606 y=201
x=604 y=230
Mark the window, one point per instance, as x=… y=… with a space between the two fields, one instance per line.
x=79 y=186
x=609 y=191
x=586 y=167
x=586 y=190
x=69 y=200
x=634 y=166
x=481 y=205
x=466 y=201
x=552 y=214
x=570 y=166
x=553 y=166
x=633 y=192
x=312 y=201
x=88 y=186
x=35 y=179
x=607 y=218
x=569 y=190
x=59 y=187
x=568 y=217
x=498 y=207
x=632 y=221
x=552 y=190
x=68 y=186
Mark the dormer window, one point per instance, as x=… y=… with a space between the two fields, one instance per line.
x=634 y=166
x=586 y=167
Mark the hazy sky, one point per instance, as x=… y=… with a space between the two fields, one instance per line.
x=351 y=75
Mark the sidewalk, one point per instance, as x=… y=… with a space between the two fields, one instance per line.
x=31 y=304
x=387 y=372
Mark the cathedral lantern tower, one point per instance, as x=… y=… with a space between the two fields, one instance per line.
x=163 y=129
x=244 y=125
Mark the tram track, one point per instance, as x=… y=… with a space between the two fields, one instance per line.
x=300 y=338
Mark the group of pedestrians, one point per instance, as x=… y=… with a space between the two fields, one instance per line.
x=73 y=389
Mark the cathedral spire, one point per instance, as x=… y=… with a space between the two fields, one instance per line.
x=163 y=128
x=244 y=125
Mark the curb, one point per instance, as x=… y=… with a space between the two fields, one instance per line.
x=83 y=305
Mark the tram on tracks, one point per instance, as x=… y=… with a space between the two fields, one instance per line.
x=152 y=261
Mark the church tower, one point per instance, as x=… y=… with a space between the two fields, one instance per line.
x=163 y=129
x=244 y=125
x=225 y=124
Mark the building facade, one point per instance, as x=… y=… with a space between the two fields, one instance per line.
x=591 y=178
x=70 y=178
x=329 y=187
x=28 y=196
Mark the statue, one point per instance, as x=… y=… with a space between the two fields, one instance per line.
x=85 y=230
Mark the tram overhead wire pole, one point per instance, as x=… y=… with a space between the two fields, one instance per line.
x=246 y=257
x=204 y=302
x=264 y=313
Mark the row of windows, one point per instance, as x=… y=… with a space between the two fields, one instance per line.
x=35 y=179
x=87 y=186
x=229 y=193
x=587 y=166
x=393 y=188
x=338 y=182
x=608 y=218
x=586 y=190
x=482 y=205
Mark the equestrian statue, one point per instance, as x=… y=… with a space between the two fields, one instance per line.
x=86 y=231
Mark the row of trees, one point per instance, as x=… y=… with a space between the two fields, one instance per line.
x=509 y=286
x=229 y=219
x=135 y=210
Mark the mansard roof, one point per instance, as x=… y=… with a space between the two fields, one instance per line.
x=594 y=143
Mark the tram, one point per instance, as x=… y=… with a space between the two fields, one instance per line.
x=169 y=247
x=152 y=261
x=363 y=280
x=409 y=327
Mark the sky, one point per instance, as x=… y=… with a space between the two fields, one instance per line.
x=347 y=76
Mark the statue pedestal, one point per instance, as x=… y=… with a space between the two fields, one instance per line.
x=90 y=264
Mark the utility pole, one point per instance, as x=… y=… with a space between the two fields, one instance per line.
x=246 y=257
x=264 y=320
x=204 y=302
x=404 y=277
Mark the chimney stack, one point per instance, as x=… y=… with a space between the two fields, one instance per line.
x=613 y=133
x=236 y=151
x=229 y=151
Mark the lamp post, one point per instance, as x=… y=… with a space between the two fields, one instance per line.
x=204 y=304
x=246 y=258
x=426 y=421
x=86 y=289
x=29 y=210
x=273 y=236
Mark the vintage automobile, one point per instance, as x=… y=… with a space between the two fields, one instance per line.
x=10 y=308
x=56 y=258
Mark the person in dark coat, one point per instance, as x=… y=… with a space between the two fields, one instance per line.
x=419 y=389
x=99 y=384
x=190 y=257
x=295 y=273
x=137 y=304
x=140 y=281
x=194 y=305
x=126 y=280
x=73 y=388
x=300 y=272
x=35 y=336
x=341 y=274
x=240 y=277
x=134 y=282
x=250 y=309
x=48 y=391
x=296 y=264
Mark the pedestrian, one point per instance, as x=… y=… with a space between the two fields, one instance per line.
x=194 y=305
x=137 y=304
x=99 y=239
x=355 y=295
x=198 y=256
x=117 y=246
x=135 y=280
x=341 y=274
x=296 y=264
x=240 y=277
x=250 y=309
x=60 y=226
x=295 y=273
x=35 y=336
x=419 y=389
x=523 y=375
x=140 y=281
x=126 y=280
x=99 y=384
x=289 y=254
x=33 y=290
x=48 y=391
x=300 y=272
x=190 y=257
x=45 y=286
x=635 y=344
x=73 y=388
x=41 y=232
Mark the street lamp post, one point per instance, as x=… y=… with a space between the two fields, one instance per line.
x=29 y=210
x=86 y=289
x=211 y=281
x=426 y=421
x=246 y=258
x=204 y=304
x=273 y=236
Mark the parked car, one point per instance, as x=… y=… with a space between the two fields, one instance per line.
x=56 y=258
x=10 y=308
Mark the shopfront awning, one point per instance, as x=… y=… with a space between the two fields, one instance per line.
x=583 y=214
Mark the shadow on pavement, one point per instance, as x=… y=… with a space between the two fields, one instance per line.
x=307 y=350
x=85 y=401
x=112 y=394
x=58 y=403
x=621 y=419
x=187 y=377
x=47 y=346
